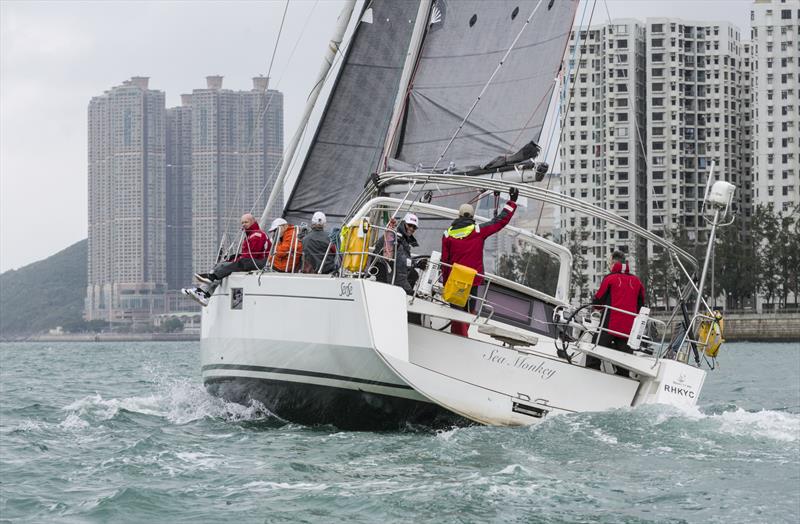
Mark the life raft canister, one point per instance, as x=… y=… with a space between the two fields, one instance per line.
x=710 y=334
x=356 y=241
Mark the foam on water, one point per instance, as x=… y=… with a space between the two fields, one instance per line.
x=180 y=401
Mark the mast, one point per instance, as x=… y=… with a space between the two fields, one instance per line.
x=333 y=48
x=393 y=135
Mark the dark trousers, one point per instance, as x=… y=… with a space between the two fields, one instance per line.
x=224 y=269
x=610 y=341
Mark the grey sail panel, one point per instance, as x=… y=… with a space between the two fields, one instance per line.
x=351 y=136
x=465 y=42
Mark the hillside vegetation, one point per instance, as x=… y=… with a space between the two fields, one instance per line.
x=45 y=294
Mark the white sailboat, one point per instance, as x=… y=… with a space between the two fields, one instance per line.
x=428 y=84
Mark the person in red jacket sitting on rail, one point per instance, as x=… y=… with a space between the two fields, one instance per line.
x=252 y=256
x=463 y=244
x=622 y=290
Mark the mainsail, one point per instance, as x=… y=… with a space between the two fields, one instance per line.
x=363 y=129
x=465 y=43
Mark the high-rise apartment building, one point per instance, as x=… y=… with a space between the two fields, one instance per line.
x=237 y=144
x=694 y=104
x=775 y=34
x=179 y=194
x=126 y=265
x=602 y=134
x=649 y=107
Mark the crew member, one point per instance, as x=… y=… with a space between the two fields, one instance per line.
x=401 y=240
x=621 y=290
x=252 y=256
x=463 y=244
x=318 y=247
x=288 y=247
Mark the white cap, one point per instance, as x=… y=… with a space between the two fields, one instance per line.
x=411 y=219
x=466 y=210
x=318 y=218
x=278 y=222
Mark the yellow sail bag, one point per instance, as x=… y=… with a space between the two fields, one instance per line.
x=458 y=285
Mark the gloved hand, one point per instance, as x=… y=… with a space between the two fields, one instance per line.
x=513 y=193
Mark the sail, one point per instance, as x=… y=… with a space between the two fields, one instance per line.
x=465 y=43
x=351 y=134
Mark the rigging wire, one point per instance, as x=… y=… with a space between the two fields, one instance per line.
x=480 y=95
x=486 y=86
x=242 y=166
x=338 y=56
x=566 y=85
x=283 y=73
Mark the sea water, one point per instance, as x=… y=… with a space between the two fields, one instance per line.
x=125 y=432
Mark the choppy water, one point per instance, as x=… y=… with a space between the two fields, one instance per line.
x=125 y=433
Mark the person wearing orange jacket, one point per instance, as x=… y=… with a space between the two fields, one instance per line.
x=463 y=244
x=288 y=247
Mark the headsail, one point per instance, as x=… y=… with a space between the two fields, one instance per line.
x=465 y=42
x=351 y=135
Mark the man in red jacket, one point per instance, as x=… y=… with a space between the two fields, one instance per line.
x=622 y=290
x=463 y=244
x=252 y=256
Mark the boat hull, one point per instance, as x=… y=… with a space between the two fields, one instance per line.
x=303 y=346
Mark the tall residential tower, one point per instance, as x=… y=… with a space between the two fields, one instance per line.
x=649 y=107
x=237 y=144
x=126 y=266
x=775 y=33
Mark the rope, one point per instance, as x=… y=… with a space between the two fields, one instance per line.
x=261 y=114
x=488 y=83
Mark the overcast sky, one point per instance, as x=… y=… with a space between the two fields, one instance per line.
x=54 y=56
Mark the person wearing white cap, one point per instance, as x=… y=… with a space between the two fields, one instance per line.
x=288 y=247
x=318 y=249
x=400 y=251
x=255 y=246
x=463 y=244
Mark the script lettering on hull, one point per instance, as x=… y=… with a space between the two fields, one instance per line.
x=535 y=366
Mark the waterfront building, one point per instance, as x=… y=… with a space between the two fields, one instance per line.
x=237 y=144
x=694 y=103
x=602 y=133
x=646 y=109
x=126 y=171
x=775 y=44
x=179 y=194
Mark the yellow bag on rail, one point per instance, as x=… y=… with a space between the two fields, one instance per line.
x=458 y=285
x=356 y=240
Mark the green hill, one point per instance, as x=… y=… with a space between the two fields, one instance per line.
x=45 y=294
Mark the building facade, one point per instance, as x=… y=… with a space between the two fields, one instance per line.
x=602 y=137
x=775 y=34
x=179 y=194
x=651 y=105
x=126 y=168
x=694 y=101
x=237 y=144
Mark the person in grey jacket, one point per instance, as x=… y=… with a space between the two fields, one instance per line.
x=316 y=244
x=402 y=239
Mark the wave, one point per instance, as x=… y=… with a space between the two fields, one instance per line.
x=180 y=401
